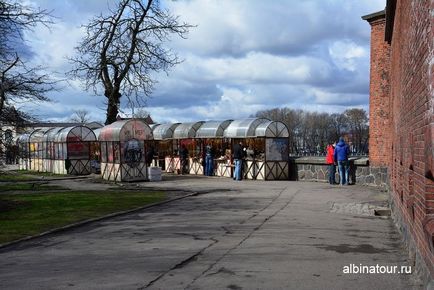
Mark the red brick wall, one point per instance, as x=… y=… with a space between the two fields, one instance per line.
x=379 y=91
x=412 y=127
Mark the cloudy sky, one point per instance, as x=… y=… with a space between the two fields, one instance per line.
x=243 y=56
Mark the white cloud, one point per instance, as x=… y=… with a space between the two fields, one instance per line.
x=244 y=56
x=346 y=54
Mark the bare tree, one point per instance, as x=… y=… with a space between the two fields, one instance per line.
x=358 y=127
x=121 y=50
x=80 y=116
x=141 y=114
x=309 y=132
x=19 y=82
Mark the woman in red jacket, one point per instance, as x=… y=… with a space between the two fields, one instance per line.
x=331 y=162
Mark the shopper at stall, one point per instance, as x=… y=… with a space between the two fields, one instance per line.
x=209 y=160
x=183 y=156
x=238 y=160
x=150 y=156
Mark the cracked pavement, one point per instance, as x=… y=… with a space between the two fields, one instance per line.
x=233 y=235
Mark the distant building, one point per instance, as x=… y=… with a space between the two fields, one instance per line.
x=402 y=120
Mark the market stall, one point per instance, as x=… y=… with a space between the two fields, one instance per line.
x=123 y=150
x=211 y=133
x=274 y=164
x=185 y=134
x=266 y=147
x=164 y=145
x=72 y=150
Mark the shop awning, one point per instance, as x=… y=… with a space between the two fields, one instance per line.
x=125 y=130
x=96 y=132
x=186 y=130
x=75 y=134
x=23 y=138
x=164 y=131
x=50 y=135
x=272 y=129
x=243 y=128
x=212 y=129
x=37 y=135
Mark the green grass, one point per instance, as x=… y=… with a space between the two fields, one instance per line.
x=24 y=215
x=29 y=172
x=14 y=177
x=28 y=186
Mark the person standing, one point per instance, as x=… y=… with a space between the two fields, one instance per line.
x=209 y=160
x=238 y=159
x=342 y=151
x=183 y=156
x=331 y=162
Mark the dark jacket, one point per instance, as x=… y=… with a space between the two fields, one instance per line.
x=183 y=153
x=342 y=151
x=238 y=152
x=209 y=151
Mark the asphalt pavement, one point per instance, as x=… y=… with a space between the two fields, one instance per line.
x=230 y=235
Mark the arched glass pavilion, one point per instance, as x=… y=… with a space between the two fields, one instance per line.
x=266 y=145
x=123 y=150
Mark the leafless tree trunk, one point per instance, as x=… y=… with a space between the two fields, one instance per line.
x=120 y=51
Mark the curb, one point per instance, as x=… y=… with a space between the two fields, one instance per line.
x=42 y=179
x=89 y=221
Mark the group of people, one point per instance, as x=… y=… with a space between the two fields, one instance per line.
x=208 y=159
x=337 y=155
x=239 y=153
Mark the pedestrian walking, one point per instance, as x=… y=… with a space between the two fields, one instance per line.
x=342 y=151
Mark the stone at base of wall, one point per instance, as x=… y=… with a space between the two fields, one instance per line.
x=315 y=169
x=420 y=272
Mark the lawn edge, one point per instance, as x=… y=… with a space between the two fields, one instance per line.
x=4 y=246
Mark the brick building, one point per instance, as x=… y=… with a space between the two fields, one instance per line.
x=402 y=119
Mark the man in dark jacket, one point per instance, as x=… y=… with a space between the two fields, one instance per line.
x=183 y=156
x=342 y=151
x=238 y=159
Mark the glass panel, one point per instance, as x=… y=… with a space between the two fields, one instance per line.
x=132 y=152
x=103 y=151
x=110 y=156
x=126 y=130
x=212 y=129
x=277 y=149
x=164 y=131
x=243 y=128
x=186 y=130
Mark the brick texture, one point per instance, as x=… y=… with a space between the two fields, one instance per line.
x=402 y=116
x=379 y=102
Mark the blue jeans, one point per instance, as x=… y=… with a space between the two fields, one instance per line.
x=344 y=171
x=238 y=169
x=332 y=171
x=209 y=166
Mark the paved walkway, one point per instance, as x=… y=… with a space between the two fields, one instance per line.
x=232 y=235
